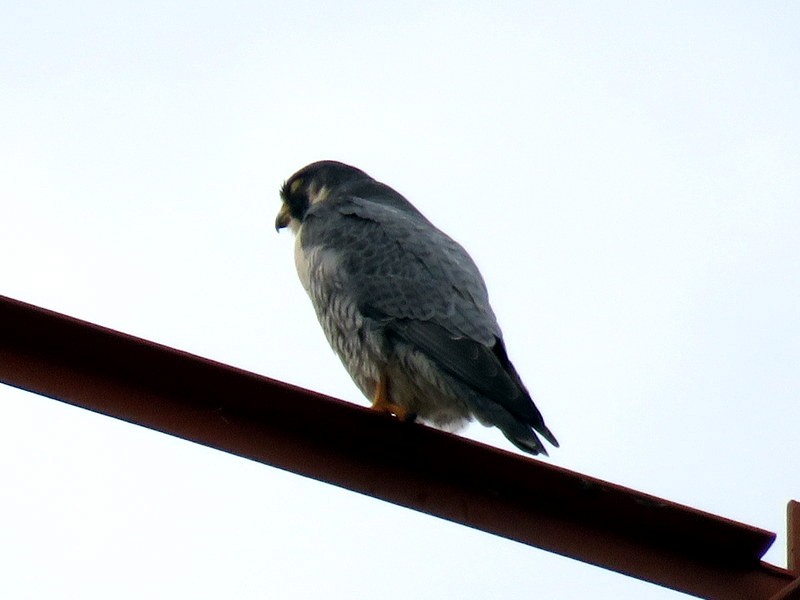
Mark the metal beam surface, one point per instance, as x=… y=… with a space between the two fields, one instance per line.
x=793 y=536
x=409 y=465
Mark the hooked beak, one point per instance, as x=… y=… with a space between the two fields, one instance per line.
x=283 y=218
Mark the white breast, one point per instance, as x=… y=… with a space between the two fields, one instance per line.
x=301 y=260
x=317 y=267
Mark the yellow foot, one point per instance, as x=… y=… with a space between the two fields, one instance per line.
x=381 y=402
x=392 y=409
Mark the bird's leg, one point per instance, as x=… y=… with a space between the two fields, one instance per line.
x=382 y=403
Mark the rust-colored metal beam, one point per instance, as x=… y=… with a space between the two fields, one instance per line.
x=790 y=592
x=414 y=466
x=793 y=536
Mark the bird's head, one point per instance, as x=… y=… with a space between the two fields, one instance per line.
x=311 y=185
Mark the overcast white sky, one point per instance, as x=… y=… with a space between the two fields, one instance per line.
x=627 y=176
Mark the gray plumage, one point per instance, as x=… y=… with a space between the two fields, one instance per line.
x=402 y=302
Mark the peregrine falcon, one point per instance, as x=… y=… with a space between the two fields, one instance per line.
x=403 y=305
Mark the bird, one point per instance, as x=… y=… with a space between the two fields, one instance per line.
x=404 y=306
